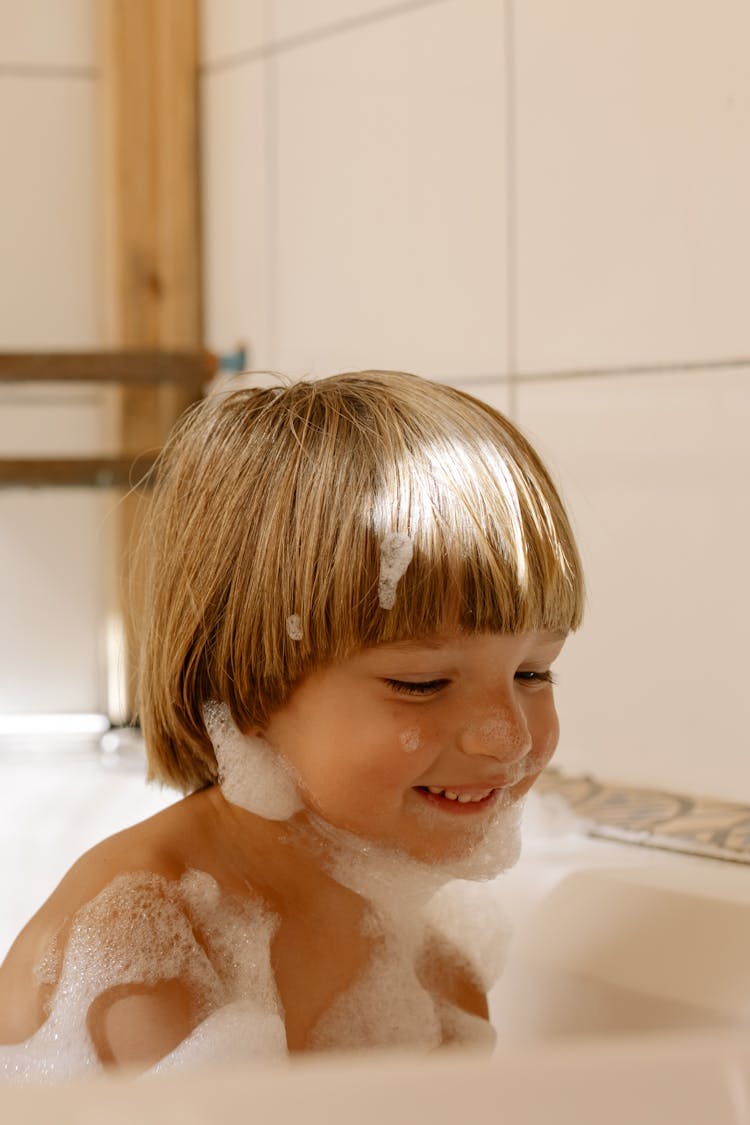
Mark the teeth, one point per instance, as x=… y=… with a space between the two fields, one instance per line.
x=462 y=798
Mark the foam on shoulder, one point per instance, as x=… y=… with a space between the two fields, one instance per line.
x=140 y=930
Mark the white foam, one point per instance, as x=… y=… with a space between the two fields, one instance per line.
x=140 y=930
x=143 y=929
x=415 y=907
x=492 y=846
x=410 y=739
x=238 y=1032
x=294 y=627
x=396 y=552
x=251 y=774
x=500 y=728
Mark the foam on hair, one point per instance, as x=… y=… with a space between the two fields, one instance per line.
x=294 y=627
x=396 y=552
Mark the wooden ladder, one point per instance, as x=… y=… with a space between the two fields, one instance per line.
x=136 y=370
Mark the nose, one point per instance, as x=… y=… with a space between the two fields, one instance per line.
x=497 y=731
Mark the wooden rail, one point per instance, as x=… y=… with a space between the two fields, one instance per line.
x=80 y=472
x=136 y=369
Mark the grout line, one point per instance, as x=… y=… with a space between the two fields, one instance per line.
x=305 y=38
x=53 y=399
x=271 y=225
x=511 y=213
x=35 y=70
x=519 y=378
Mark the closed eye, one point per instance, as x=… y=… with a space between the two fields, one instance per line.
x=416 y=687
x=546 y=677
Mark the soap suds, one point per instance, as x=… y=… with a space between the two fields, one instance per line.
x=410 y=739
x=237 y=1033
x=498 y=728
x=47 y=970
x=294 y=627
x=491 y=847
x=143 y=929
x=396 y=551
x=140 y=930
x=251 y=774
x=413 y=905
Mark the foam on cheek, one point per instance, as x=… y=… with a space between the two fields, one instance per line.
x=411 y=740
x=251 y=774
x=396 y=551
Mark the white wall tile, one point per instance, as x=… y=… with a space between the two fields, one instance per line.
x=228 y=27
x=51 y=553
x=48 y=420
x=47 y=33
x=496 y=392
x=390 y=196
x=299 y=17
x=655 y=470
x=633 y=175
x=235 y=219
x=48 y=220
x=51 y=599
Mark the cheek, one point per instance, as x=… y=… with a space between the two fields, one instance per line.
x=545 y=732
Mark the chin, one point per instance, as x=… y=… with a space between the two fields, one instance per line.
x=479 y=854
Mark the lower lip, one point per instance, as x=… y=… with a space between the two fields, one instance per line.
x=460 y=808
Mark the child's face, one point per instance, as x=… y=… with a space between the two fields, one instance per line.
x=368 y=737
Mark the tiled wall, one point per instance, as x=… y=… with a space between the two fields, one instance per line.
x=51 y=599
x=510 y=194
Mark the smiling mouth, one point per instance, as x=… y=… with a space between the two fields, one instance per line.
x=453 y=799
x=463 y=797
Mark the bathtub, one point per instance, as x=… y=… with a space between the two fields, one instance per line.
x=626 y=994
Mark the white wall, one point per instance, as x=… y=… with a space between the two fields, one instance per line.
x=489 y=192
x=51 y=542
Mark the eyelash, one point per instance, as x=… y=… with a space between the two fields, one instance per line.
x=429 y=687
x=547 y=677
x=419 y=687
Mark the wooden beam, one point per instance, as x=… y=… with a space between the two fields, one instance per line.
x=187 y=369
x=149 y=67
x=152 y=229
x=82 y=472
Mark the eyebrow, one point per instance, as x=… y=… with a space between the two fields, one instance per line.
x=414 y=646
x=430 y=643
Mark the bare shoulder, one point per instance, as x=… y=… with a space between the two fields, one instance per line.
x=30 y=974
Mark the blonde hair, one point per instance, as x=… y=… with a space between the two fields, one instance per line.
x=273 y=503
